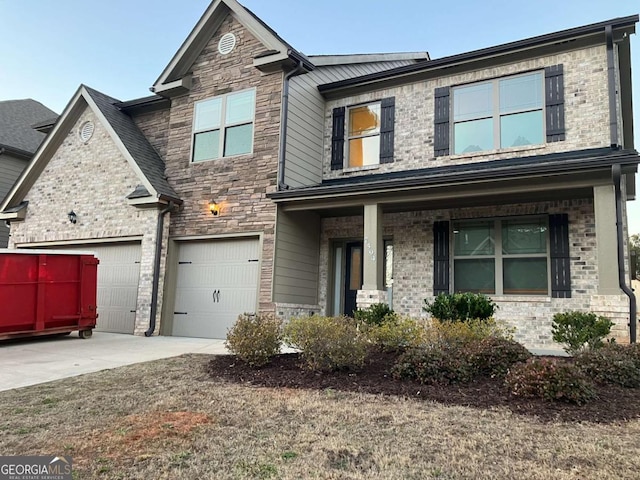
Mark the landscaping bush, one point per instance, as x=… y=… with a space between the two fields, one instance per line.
x=580 y=331
x=445 y=332
x=550 y=380
x=434 y=364
x=327 y=343
x=376 y=314
x=613 y=364
x=396 y=333
x=494 y=356
x=255 y=339
x=460 y=307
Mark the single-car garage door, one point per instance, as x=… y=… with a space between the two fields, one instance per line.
x=216 y=281
x=118 y=276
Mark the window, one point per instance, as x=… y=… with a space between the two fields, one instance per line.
x=499 y=113
x=363 y=138
x=223 y=126
x=503 y=257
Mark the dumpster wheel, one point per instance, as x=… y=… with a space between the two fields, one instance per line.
x=85 y=333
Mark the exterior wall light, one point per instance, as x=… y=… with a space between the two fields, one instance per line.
x=214 y=208
x=73 y=218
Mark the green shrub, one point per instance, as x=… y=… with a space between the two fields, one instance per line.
x=550 y=380
x=613 y=364
x=255 y=339
x=444 y=332
x=494 y=356
x=579 y=331
x=460 y=307
x=327 y=343
x=376 y=314
x=434 y=364
x=396 y=333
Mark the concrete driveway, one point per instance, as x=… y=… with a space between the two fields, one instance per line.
x=37 y=360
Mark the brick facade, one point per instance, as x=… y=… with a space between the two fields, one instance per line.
x=412 y=235
x=586 y=113
x=92 y=179
x=238 y=183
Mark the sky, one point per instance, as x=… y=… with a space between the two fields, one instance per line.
x=120 y=47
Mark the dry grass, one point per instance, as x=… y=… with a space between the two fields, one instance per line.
x=166 y=419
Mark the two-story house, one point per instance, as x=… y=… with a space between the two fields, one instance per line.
x=257 y=178
x=18 y=142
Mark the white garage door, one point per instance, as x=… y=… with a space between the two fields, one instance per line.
x=118 y=276
x=217 y=281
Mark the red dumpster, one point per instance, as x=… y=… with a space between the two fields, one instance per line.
x=45 y=292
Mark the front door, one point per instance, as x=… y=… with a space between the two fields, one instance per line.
x=353 y=276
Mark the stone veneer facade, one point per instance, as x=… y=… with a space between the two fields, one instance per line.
x=238 y=183
x=412 y=235
x=586 y=113
x=93 y=179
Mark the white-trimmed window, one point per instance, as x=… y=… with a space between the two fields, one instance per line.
x=499 y=113
x=363 y=135
x=223 y=126
x=501 y=256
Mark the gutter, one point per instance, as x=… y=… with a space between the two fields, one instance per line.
x=284 y=105
x=616 y=173
x=156 y=269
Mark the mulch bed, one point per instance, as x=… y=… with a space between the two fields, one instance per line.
x=614 y=404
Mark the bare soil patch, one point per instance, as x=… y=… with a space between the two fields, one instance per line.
x=612 y=405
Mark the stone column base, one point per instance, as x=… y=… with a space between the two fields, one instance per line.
x=366 y=298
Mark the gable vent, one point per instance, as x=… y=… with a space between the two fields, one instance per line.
x=86 y=131
x=226 y=43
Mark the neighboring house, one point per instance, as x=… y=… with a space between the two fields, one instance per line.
x=18 y=142
x=257 y=178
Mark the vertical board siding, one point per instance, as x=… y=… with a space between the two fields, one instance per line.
x=559 y=253
x=441 y=121
x=440 y=257
x=305 y=127
x=554 y=103
x=297 y=254
x=10 y=170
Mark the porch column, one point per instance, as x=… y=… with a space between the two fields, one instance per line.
x=604 y=204
x=373 y=258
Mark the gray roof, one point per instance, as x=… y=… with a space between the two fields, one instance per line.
x=147 y=159
x=16 y=119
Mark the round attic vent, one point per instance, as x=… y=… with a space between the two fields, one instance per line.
x=226 y=43
x=86 y=131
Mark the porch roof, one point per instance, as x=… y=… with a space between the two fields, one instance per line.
x=572 y=172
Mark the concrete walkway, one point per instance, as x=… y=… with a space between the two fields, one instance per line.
x=37 y=360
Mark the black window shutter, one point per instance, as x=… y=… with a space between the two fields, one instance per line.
x=388 y=114
x=337 y=139
x=560 y=260
x=440 y=257
x=554 y=102
x=441 y=122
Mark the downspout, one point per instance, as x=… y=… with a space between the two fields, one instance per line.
x=156 y=269
x=611 y=76
x=616 y=173
x=283 y=124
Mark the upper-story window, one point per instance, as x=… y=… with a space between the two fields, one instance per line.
x=364 y=135
x=499 y=113
x=506 y=112
x=223 y=126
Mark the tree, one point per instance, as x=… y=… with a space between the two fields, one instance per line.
x=634 y=249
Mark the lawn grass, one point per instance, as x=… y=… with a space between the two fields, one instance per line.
x=168 y=419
